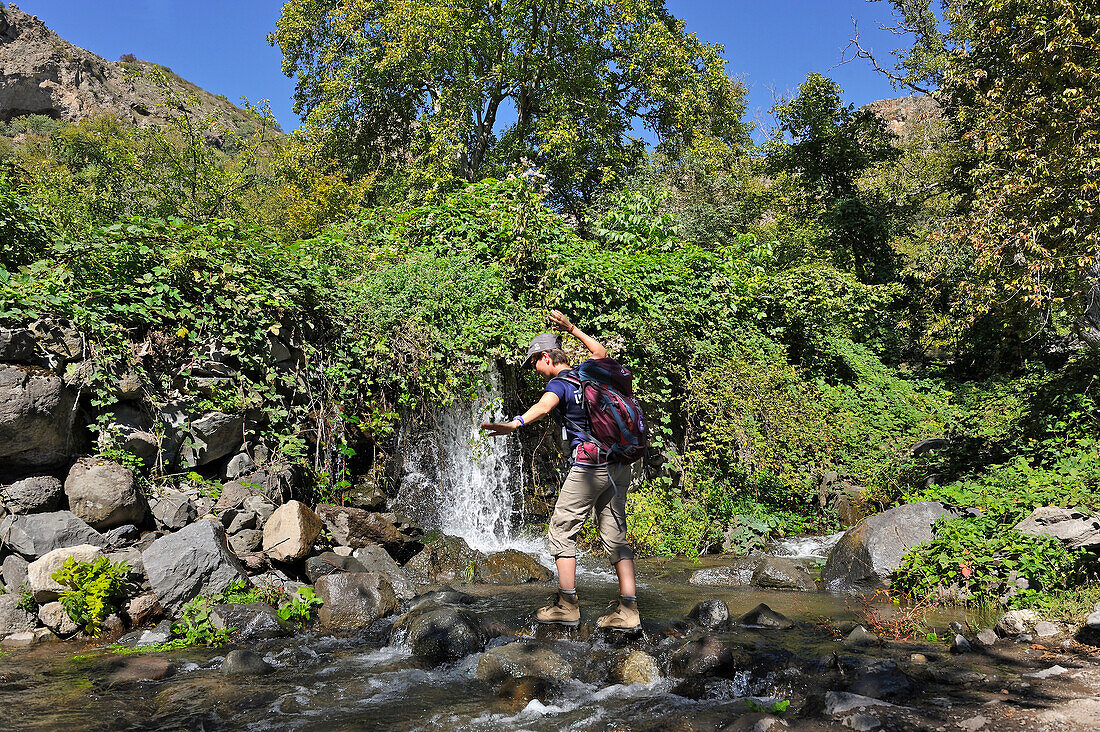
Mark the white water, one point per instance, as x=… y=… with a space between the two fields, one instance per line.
x=460 y=482
x=805 y=547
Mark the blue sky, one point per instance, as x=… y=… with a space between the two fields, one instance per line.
x=222 y=47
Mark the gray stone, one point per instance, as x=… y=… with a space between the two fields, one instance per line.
x=861 y=722
x=36 y=418
x=104 y=494
x=736 y=574
x=239 y=465
x=136 y=575
x=869 y=553
x=290 y=532
x=860 y=637
x=973 y=724
x=328 y=563
x=143 y=609
x=40 y=533
x=14 y=619
x=54 y=617
x=252 y=622
x=1046 y=673
x=838 y=703
x=701 y=657
x=133 y=669
x=987 y=637
x=710 y=613
x=763 y=616
x=245 y=663
x=782 y=574
x=1092 y=621
x=247 y=541
x=121 y=535
x=242 y=521
x=374 y=558
x=960 y=644
x=367 y=498
x=1045 y=629
x=15 y=572
x=1015 y=622
x=213 y=436
x=233 y=495
x=521 y=658
x=40 y=571
x=1074 y=528
x=261 y=506
x=354 y=600
x=159 y=633
x=26 y=638
x=33 y=495
x=442 y=635
x=190 y=562
x=446 y=559
x=357 y=528
x=174 y=510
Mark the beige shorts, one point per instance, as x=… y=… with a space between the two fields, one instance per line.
x=586 y=490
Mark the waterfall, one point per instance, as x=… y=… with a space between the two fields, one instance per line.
x=459 y=482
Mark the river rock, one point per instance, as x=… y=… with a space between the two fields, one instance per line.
x=357 y=528
x=777 y=573
x=519 y=693
x=1074 y=528
x=701 y=657
x=710 y=613
x=522 y=658
x=1015 y=622
x=104 y=494
x=54 y=617
x=329 y=563
x=140 y=668
x=39 y=533
x=839 y=703
x=883 y=679
x=511 y=567
x=860 y=637
x=443 y=635
x=736 y=574
x=763 y=616
x=122 y=535
x=240 y=662
x=447 y=559
x=253 y=622
x=192 y=561
x=367 y=498
x=42 y=584
x=374 y=558
x=14 y=619
x=33 y=495
x=143 y=609
x=354 y=600
x=987 y=637
x=247 y=541
x=290 y=532
x=36 y=418
x=174 y=510
x=1046 y=629
x=15 y=572
x=960 y=644
x=26 y=638
x=637 y=668
x=213 y=436
x=869 y=552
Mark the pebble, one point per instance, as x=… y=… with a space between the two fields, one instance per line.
x=960 y=645
x=1045 y=629
x=987 y=637
x=1046 y=673
x=919 y=659
x=974 y=723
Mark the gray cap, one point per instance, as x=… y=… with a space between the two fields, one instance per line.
x=544 y=342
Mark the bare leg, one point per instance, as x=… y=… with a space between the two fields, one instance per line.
x=625 y=569
x=567 y=573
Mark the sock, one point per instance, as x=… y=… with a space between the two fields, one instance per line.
x=569 y=593
x=628 y=600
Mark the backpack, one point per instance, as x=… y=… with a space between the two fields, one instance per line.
x=617 y=424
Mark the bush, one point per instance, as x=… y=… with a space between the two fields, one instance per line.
x=95 y=590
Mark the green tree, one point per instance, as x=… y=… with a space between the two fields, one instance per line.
x=438 y=93
x=828 y=147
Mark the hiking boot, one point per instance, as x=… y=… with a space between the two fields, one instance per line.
x=624 y=617
x=566 y=611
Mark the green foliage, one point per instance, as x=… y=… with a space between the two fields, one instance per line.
x=24 y=236
x=299 y=610
x=95 y=589
x=242 y=592
x=26 y=599
x=195 y=627
x=411 y=89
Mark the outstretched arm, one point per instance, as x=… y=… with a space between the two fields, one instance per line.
x=540 y=409
x=594 y=347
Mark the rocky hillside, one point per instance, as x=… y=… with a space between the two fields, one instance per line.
x=906 y=116
x=45 y=74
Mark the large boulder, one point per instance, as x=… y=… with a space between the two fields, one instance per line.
x=328 y=563
x=40 y=571
x=1075 y=529
x=54 y=616
x=36 y=418
x=442 y=635
x=104 y=494
x=777 y=573
x=40 y=533
x=511 y=567
x=252 y=622
x=737 y=573
x=290 y=532
x=374 y=558
x=213 y=436
x=33 y=495
x=869 y=553
x=354 y=600
x=14 y=619
x=356 y=528
x=701 y=657
x=522 y=658
x=446 y=559
x=190 y=562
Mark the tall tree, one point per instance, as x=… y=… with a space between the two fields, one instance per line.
x=434 y=92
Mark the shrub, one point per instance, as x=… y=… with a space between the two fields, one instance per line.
x=95 y=589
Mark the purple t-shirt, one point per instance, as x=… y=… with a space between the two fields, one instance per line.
x=570 y=407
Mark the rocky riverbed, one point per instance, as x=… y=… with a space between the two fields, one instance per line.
x=468 y=657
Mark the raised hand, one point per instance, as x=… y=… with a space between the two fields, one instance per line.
x=559 y=319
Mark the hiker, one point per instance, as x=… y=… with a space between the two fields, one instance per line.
x=598 y=479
